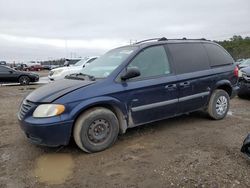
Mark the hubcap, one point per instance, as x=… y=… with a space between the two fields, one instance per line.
x=221 y=105
x=24 y=80
x=98 y=131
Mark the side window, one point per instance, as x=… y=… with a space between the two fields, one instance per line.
x=151 y=62
x=89 y=61
x=3 y=69
x=189 y=57
x=217 y=55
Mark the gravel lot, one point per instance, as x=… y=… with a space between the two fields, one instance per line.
x=187 y=151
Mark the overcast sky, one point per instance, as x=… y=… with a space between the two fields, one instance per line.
x=47 y=29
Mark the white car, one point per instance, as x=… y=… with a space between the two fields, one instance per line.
x=61 y=72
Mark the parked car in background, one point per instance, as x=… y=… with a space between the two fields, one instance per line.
x=244 y=82
x=246 y=146
x=61 y=72
x=244 y=63
x=130 y=86
x=3 y=63
x=8 y=75
x=33 y=68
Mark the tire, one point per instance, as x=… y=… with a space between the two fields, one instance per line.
x=219 y=104
x=96 y=130
x=24 y=80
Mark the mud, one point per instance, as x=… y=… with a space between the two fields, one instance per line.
x=187 y=151
x=54 y=168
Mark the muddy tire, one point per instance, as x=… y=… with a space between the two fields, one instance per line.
x=24 y=80
x=96 y=130
x=219 y=104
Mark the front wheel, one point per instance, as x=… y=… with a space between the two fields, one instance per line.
x=24 y=80
x=219 y=104
x=96 y=130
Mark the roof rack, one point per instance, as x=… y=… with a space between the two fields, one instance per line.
x=165 y=39
x=153 y=39
x=184 y=38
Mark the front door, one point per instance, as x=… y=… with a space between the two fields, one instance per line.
x=5 y=74
x=154 y=94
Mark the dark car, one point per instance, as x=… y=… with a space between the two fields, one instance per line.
x=244 y=83
x=246 y=146
x=243 y=64
x=8 y=75
x=130 y=86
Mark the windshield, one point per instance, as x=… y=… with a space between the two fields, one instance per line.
x=107 y=63
x=246 y=62
x=81 y=62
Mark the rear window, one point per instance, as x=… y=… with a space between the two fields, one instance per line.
x=218 y=56
x=189 y=57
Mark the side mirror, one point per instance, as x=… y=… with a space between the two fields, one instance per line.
x=66 y=64
x=11 y=71
x=131 y=72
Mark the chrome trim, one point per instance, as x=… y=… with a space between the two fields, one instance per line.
x=153 y=105
x=164 y=103
x=194 y=96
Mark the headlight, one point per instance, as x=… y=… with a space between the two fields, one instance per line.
x=57 y=71
x=48 y=110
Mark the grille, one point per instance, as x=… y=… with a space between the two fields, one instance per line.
x=51 y=73
x=25 y=108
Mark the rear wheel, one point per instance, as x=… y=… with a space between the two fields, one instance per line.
x=219 y=104
x=96 y=130
x=24 y=80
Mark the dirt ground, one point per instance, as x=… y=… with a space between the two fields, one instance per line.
x=187 y=151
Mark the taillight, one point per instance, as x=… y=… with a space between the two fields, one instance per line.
x=236 y=71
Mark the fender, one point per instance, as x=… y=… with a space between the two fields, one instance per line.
x=222 y=82
x=225 y=85
x=118 y=106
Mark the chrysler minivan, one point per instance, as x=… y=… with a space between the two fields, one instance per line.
x=129 y=86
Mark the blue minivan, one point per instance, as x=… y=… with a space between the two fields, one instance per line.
x=129 y=86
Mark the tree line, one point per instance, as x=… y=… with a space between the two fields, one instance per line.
x=237 y=46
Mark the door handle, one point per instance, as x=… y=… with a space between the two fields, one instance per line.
x=184 y=84
x=171 y=86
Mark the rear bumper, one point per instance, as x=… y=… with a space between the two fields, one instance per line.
x=235 y=91
x=54 y=134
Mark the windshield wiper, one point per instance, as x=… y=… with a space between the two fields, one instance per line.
x=92 y=78
x=80 y=76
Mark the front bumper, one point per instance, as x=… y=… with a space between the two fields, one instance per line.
x=35 y=79
x=48 y=134
x=56 y=77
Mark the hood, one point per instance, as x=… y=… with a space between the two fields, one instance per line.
x=67 y=68
x=59 y=68
x=50 y=92
x=27 y=73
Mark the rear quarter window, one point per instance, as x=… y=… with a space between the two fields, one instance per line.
x=189 y=57
x=217 y=55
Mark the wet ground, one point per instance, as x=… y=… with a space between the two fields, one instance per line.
x=187 y=151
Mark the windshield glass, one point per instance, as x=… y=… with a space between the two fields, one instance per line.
x=107 y=63
x=246 y=62
x=81 y=62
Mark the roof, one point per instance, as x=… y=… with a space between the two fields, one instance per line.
x=163 y=40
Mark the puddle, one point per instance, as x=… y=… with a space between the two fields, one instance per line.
x=54 y=168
